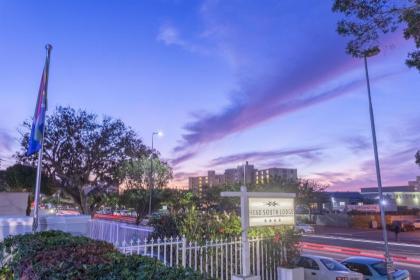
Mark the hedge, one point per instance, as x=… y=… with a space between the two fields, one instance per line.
x=59 y=255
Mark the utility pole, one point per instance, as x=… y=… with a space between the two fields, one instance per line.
x=151 y=179
x=388 y=259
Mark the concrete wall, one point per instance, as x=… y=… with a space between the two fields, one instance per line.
x=334 y=220
x=13 y=203
x=76 y=225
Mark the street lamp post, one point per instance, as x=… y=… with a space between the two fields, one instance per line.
x=151 y=179
x=378 y=176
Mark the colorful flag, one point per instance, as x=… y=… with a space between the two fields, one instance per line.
x=38 y=123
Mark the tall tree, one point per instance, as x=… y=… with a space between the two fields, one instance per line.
x=138 y=199
x=210 y=199
x=138 y=172
x=366 y=20
x=306 y=190
x=418 y=158
x=83 y=154
x=20 y=178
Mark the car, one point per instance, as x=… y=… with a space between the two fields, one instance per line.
x=416 y=224
x=404 y=226
x=324 y=268
x=304 y=228
x=125 y=212
x=373 y=268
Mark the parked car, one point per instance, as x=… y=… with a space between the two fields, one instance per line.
x=416 y=224
x=404 y=226
x=304 y=228
x=373 y=269
x=323 y=268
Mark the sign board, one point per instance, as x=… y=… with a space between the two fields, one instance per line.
x=364 y=208
x=266 y=211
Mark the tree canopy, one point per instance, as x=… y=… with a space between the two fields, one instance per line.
x=21 y=178
x=138 y=172
x=418 y=157
x=367 y=20
x=84 y=154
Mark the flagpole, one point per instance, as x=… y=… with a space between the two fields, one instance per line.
x=35 y=223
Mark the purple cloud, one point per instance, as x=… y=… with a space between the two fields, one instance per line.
x=329 y=174
x=6 y=141
x=291 y=70
x=182 y=158
x=242 y=115
x=358 y=143
x=396 y=169
x=308 y=153
x=178 y=176
x=254 y=106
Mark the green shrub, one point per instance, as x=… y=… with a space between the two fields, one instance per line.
x=58 y=255
x=14 y=250
x=283 y=240
x=196 y=225
x=164 y=226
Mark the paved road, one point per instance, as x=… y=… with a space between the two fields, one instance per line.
x=411 y=250
x=414 y=269
x=371 y=234
x=355 y=240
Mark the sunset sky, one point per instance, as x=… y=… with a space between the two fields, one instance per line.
x=226 y=81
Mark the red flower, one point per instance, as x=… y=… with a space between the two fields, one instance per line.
x=277 y=237
x=221 y=230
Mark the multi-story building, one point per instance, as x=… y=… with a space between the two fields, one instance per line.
x=230 y=176
x=215 y=179
x=197 y=183
x=243 y=173
x=270 y=175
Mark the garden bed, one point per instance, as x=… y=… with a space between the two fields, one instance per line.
x=59 y=255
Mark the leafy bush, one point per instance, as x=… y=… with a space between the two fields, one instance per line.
x=197 y=225
x=284 y=240
x=164 y=226
x=58 y=255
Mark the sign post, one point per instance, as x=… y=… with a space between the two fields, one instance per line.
x=261 y=209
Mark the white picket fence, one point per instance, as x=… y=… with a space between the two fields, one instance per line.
x=218 y=259
x=117 y=232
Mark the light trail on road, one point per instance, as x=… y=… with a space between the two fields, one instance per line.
x=405 y=256
x=356 y=252
x=361 y=240
x=414 y=269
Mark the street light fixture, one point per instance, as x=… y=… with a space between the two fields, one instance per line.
x=151 y=179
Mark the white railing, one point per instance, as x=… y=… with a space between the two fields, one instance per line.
x=117 y=232
x=218 y=259
x=74 y=224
